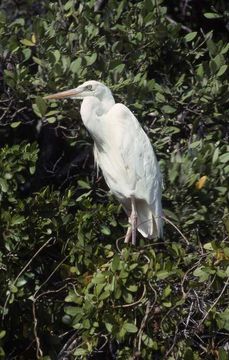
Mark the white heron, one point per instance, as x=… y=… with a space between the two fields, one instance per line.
x=125 y=155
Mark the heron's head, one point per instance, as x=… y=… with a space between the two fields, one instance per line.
x=89 y=88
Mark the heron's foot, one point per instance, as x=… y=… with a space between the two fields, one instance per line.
x=133 y=220
x=134 y=228
x=128 y=235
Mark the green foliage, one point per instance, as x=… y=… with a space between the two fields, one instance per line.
x=68 y=283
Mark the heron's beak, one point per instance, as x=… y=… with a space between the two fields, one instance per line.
x=64 y=94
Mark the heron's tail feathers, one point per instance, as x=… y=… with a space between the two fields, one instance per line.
x=150 y=223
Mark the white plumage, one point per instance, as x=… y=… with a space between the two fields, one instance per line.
x=125 y=155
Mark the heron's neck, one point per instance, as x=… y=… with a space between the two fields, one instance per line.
x=92 y=107
x=92 y=111
x=105 y=104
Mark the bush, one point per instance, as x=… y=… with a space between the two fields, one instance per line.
x=70 y=288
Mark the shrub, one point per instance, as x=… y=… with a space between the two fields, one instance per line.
x=70 y=288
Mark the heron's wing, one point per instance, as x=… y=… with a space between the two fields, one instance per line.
x=131 y=149
x=130 y=166
x=128 y=161
x=96 y=159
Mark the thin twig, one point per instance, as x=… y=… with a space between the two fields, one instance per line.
x=173 y=344
x=186 y=28
x=39 y=352
x=48 y=278
x=198 y=302
x=143 y=324
x=183 y=10
x=117 y=243
x=51 y=291
x=178 y=230
x=34 y=298
x=189 y=315
x=187 y=272
x=68 y=346
x=132 y=304
x=23 y=270
x=215 y=302
x=18 y=111
x=105 y=342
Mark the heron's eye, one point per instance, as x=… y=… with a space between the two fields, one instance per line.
x=89 y=87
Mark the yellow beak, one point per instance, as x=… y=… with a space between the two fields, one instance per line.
x=63 y=94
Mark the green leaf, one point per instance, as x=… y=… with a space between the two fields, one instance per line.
x=57 y=55
x=36 y=110
x=51 y=119
x=188 y=355
x=208 y=246
x=32 y=170
x=86 y=324
x=8 y=176
x=27 y=42
x=190 y=36
x=80 y=352
x=2 y=334
x=160 y=97
x=115 y=263
x=75 y=65
x=220 y=273
x=15 y=124
x=68 y=5
x=13 y=288
x=39 y=61
x=4 y=185
x=168 y=109
x=27 y=53
x=129 y=327
x=98 y=289
x=222 y=354
x=224 y=158
x=222 y=70
x=225 y=49
x=167 y=291
x=73 y=310
x=109 y=327
x=149 y=342
x=19 y=21
x=222 y=320
x=213 y=66
x=21 y=282
x=104 y=295
x=162 y=274
x=215 y=155
x=91 y=59
x=120 y=9
x=210 y=15
x=119 y=69
x=83 y=196
x=99 y=278
x=195 y=144
x=171 y=130
x=201 y=273
x=200 y=70
x=105 y=230
x=83 y=184
x=212 y=47
x=132 y=288
x=167 y=304
x=72 y=297
x=41 y=105
x=17 y=219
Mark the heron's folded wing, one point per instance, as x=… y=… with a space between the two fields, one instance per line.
x=132 y=150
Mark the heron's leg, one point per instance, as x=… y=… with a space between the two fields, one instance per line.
x=128 y=235
x=133 y=217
